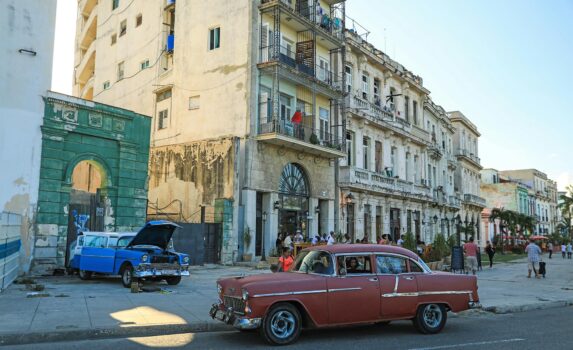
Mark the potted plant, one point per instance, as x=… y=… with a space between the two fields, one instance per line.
x=247 y=243
x=314 y=139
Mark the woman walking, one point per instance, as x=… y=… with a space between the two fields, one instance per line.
x=490 y=250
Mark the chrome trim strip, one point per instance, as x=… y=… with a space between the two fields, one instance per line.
x=416 y=294
x=290 y=293
x=97 y=256
x=396 y=284
x=344 y=289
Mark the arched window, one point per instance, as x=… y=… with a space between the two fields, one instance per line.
x=294 y=181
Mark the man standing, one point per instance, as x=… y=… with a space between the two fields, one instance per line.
x=563 y=247
x=401 y=241
x=490 y=250
x=533 y=256
x=569 y=250
x=471 y=251
x=550 y=249
x=330 y=239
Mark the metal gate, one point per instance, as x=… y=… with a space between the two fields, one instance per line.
x=200 y=241
x=86 y=213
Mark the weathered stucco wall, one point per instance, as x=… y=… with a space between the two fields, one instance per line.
x=194 y=173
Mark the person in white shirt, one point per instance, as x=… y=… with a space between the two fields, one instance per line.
x=298 y=237
x=563 y=247
x=330 y=238
x=287 y=243
x=401 y=241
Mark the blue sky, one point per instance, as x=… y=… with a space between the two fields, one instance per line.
x=505 y=64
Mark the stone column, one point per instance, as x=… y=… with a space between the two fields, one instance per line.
x=250 y=221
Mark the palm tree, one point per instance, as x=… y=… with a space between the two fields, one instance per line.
x=566 y=207
x=504 y=217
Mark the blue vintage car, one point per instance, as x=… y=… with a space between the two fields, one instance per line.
x=145 y=255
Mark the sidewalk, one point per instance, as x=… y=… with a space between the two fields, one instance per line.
x=79 y=310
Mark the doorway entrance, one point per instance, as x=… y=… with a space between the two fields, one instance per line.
x=293 y=197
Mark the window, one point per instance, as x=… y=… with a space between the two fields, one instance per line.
x=391 y=97
x=163 y=95
x=391 y=265
x=138 y=20
x=214 y=38
x=114 y=4
x=123 y=242
x=407 y=108
x=145 y=64
x=415 y=268
x=113 y=38
x=354 y=264
x=313 y=261
x=194 y=102
x=365 y=87
x=286 y=109
x=349 y=148
x=377 y=99
x=366 y=151
x=348 y=77
x=287 y=47
x=106 y=85
x=120 y=71
x=162 y=119
x=415 y=111
x=378 y=156
x=324 y=116
x=324 y=70
x=123 y=28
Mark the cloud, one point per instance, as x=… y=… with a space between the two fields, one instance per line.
x=564 y=179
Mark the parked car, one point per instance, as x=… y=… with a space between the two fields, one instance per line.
x=96 y=239
x=343 y=285
x=145 y=255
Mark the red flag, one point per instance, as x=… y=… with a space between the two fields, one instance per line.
x=296 y=118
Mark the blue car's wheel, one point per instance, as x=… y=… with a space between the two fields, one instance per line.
x=85 y=275
x=127 y=276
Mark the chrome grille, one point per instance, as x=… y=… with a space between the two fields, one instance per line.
x=237 y=304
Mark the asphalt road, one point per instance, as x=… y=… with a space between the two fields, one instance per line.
x=528 y=330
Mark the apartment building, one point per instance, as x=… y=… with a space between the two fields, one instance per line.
x=246 y=98
x=403 y=168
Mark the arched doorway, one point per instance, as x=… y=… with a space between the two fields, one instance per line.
x=294 y=192
x=86 y=208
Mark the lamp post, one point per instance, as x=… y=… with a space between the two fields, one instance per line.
x=458 y=228
x=435 y=219
x=263 y=258
x=347 y=201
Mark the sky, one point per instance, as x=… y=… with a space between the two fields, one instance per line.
x=506 y=65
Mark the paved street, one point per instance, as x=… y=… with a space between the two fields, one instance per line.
x=527 y=330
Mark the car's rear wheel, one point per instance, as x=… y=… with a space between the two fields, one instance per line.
x=430 y=318
x=172 y=281
x=85 y=275
x=282 y=324
x=127 y=276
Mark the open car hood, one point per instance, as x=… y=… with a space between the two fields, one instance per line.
x=157 y=233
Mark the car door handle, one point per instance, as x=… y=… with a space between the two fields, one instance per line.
x=409 y=278
x=373 y=279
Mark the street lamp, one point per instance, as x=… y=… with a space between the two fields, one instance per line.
x=458 y=228
x=263 y=258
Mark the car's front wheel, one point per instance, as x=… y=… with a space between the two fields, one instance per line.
x=127 y=276
x=85 y=275
x=282 y=324
x=172 y=281
x=430 y=318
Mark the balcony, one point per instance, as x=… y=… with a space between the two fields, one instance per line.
x=85 y=69
x=454 y=202
x=328 y=22
x=372 y=181
x=88 y=30
x=469 y=156
x=302 y=138
x=86 y=7
x=294 y=67
x=452 y=161
x=472 y=199
x=435 y=152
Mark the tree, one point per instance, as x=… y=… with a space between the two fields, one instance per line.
x=566 y=207
x=507 y=222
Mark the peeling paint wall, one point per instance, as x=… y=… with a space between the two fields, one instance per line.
x=24 y=76
x=194 y=173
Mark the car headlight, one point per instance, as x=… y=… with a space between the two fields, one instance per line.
x=219 y=289
x=144 y=258
x=186 y=260
x=245 y=294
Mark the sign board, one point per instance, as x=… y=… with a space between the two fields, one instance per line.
x=457 y=259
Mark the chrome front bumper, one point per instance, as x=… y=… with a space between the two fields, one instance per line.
x=229 y=317
x=474 y=305
x=151 y=270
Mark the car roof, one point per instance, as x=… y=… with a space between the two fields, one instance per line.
x=364 y=248
x=107 y=234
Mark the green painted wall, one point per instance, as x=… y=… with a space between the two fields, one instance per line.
x=113 y=139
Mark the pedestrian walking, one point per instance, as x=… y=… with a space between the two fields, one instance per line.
x=490 y=251
x=533 y=257
x=471 y=250
x=563 y=249
x=569 y=250
x=550 y=249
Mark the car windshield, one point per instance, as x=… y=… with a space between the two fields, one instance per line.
x=124 y=241
x=313 y=261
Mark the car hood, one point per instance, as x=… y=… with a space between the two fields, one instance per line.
x=157 y=233
x=272 y=283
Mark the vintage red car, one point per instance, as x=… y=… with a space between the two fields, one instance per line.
x=344 y=285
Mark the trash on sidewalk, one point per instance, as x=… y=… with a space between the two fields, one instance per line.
x=165 y=291
x=61 y=295
x=24 y=280
x=35 y=287
x=37 y=295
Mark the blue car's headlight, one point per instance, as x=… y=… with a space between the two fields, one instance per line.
x=144 y=258
x=186 y=260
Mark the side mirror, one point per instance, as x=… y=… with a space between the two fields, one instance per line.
x=342 y=272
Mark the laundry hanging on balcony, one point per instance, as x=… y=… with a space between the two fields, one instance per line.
x=296 y=118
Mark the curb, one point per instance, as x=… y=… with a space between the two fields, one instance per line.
x=528 y=307
x=106 y=333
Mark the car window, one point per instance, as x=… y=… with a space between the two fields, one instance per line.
x=313 y=261
x=354 y=264
x=123 y=242
x=80 y=241
x=96 y=241
x=415 y=268
x=394 y=265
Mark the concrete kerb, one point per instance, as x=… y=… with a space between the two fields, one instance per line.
x=107 y=333
x=529 y=307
